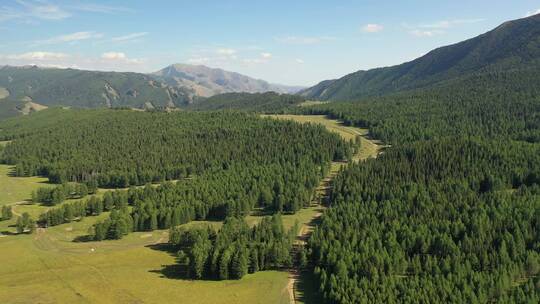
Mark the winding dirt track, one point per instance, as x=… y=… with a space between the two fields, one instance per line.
x=369 y=148
x=14 y=209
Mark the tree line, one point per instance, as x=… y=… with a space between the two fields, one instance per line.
x=52 y=196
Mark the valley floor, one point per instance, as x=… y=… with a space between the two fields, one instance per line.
x=50 y=267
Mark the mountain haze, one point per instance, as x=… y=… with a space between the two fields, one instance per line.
x=512 y=45
x=204 y=81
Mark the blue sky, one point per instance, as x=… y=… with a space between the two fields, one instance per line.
x=296 y=42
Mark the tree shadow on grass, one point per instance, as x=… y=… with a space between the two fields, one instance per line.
x=83 y=239
x=307 y=288
x=177 y=271
x=174 y=271
x=261 y=212
x=6 y=232
x=13 y=173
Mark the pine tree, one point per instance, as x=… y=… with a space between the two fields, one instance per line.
x=153 y=221
x=254 y=260
x=20 y=225
x=239 y=266
x=7 y=213
x=224 y=264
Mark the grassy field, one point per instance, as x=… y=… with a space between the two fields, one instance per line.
x=309 y=103
x=48 y=267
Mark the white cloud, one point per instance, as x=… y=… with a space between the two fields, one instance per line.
x=372 y=28
x=110 y=61
x=303 y=40
x=119 y=56
x=31 y=11
x=225 y=51
x=254 y=61
x=229 y=57
x=36 y=56
x=70 y=38
x=129 y=37
x=422 y=33
x=264 y=58
x=105 y=9
x=446 y=24
x=199 y=60
x=532 y=13
x=438 y=28
x=113 y=56
x=44 y=10
x=299 y=61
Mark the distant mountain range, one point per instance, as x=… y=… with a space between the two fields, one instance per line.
x=28 y=88
x=204 y=81
x=513 y=45
x=510 y=48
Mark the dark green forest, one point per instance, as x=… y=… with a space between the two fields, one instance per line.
x=121 y=148
x=269 y=102
x=450 y=213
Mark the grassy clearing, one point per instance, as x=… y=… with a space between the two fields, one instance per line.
x=309 y=103
x=17 y=189
x=289 y=220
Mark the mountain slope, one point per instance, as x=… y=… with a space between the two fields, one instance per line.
x=512 y=45
x=206 y=82
x=85 y=89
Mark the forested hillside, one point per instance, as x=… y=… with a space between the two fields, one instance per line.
x=86 y=89
x=269 y=102
x=487 y=105
x=10 y=108
x=513 y=45
x=449 y=213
